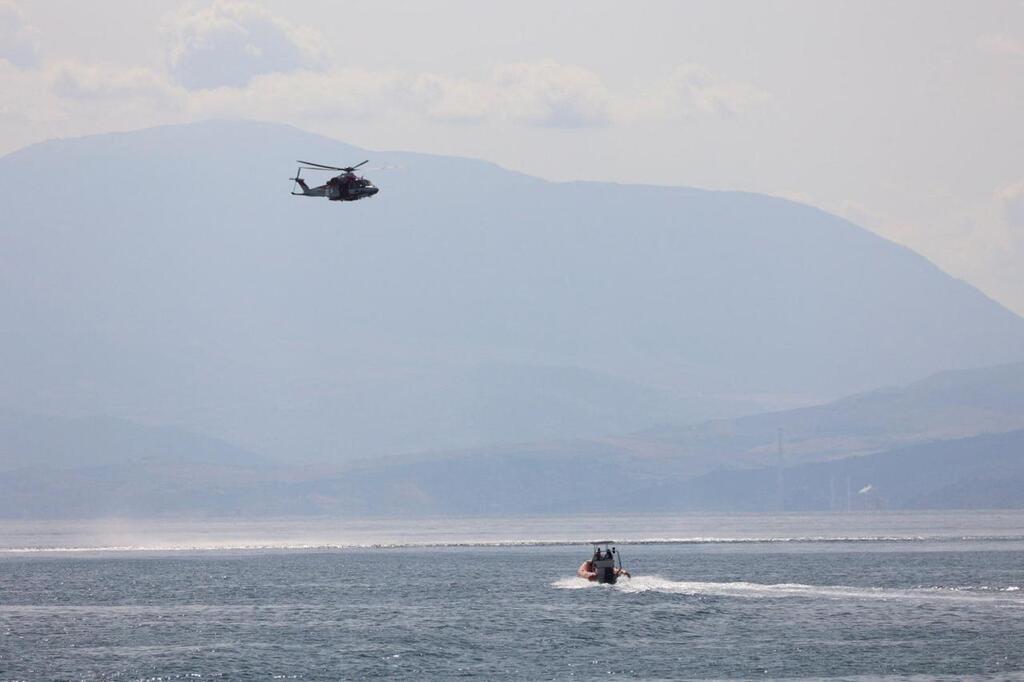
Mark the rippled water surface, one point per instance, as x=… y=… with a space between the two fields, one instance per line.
x=927 y=605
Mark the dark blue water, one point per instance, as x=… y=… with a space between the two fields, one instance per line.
x=751 y=610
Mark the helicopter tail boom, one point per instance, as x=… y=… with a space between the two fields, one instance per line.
x=306 y=191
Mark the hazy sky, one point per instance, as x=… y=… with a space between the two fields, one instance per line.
x=905 y=117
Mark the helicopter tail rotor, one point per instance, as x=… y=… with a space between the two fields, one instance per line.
x=297 y=180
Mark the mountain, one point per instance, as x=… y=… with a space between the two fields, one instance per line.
x=947 y=405
x=981 y=472
x=61 y=467
x=62 y=443
x=952 y=440
x=921 y=459
x=167 y=276
x=95 y=467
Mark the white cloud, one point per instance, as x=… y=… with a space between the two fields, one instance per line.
x=229 y=43
x=1001 y=44
x=346 y=93
x=539 y=94
x=29 y=99
x=19 y=42
x=76 y=81
x=444 y=98
x=552 y=95
x=533 y=94
x=543 y=94
x=1011 y=198
x=692 y=90
x=232 y=58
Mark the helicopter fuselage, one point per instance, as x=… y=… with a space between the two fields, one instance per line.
x=348 y=187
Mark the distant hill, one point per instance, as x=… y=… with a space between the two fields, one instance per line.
x=947 y=405
x=61 y=467
x=65 y=467
x=29 y=440
x=982 y=472
x=167 y=276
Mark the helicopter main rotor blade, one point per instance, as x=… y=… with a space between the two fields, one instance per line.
x=347 y=169
x=320 y=165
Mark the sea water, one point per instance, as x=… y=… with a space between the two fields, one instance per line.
x=847 y=596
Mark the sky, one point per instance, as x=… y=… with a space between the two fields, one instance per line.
x=903 y=117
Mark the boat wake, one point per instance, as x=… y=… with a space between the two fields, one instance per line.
x=747 y=590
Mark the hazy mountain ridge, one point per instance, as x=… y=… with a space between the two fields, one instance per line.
x=170 y=278
x=105 y=467
x=947 y=405
x=29 y=440
x=980 y=472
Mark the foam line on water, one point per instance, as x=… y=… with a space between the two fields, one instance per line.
x=748 y=590
x=329 y=545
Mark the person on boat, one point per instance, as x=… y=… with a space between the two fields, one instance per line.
x=588 y=571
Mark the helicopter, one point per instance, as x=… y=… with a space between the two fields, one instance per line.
x=345 y=187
